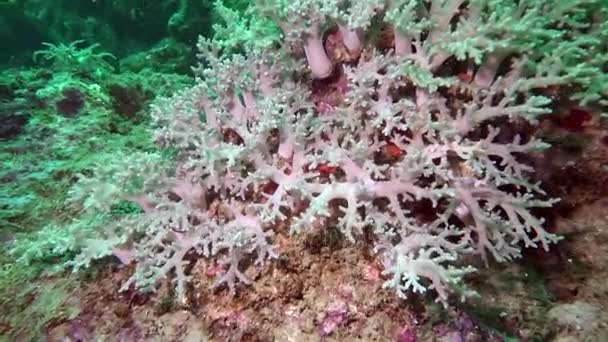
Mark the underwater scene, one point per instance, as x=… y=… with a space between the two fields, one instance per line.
x=304 y=170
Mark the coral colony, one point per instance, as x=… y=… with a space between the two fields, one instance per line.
x=403 y=124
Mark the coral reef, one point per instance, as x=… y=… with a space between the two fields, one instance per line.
x=418 y=152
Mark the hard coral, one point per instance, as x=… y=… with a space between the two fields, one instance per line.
x=407 y=133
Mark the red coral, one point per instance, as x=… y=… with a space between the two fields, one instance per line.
x=325 y=170
x=393 y=151
x=71 y=103
x=575 y=120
